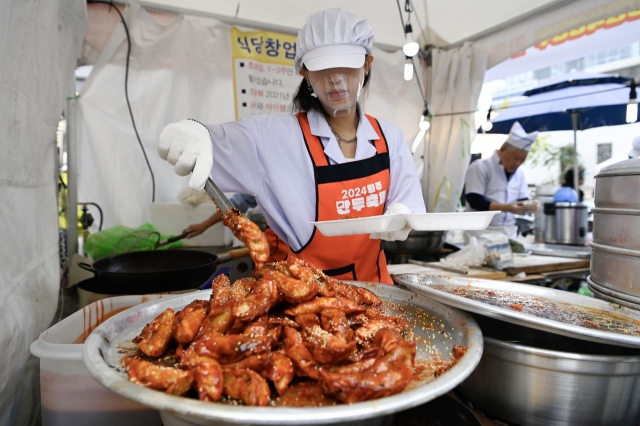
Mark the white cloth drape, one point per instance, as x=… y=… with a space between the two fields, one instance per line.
x=179 y=69
x=456 y=78
x=39 y=45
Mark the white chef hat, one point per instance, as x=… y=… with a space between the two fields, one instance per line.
x=521 y=139
x=333 y=38
x=635 y=152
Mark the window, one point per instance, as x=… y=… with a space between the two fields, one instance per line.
x=604 y=152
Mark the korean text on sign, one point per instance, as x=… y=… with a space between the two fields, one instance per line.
x=360 y=198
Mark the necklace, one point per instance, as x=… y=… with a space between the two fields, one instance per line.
x=342 y=140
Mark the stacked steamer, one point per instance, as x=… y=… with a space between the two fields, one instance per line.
x=615 y=261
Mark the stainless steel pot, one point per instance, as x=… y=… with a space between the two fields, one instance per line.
x=549 y=223
x=618 y=185
x=616 y=268
x=418 y=242
x=571 y=223
x=531 y=377
x=565 y=223
x=617 y=227
x=544 y=194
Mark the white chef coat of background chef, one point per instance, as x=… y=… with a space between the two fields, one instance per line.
x=287 y=195
x=487 y=177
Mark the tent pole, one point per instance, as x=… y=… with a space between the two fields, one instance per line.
x=576 y=178
x=427 y=141
x=72 y=180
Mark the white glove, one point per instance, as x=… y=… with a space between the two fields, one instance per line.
x=187 y=146
x=400 y=235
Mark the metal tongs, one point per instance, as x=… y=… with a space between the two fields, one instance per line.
x=217 y=196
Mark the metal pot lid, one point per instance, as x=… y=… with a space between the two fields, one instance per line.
x=437 y=328
x=555 y=311
x=627 y=167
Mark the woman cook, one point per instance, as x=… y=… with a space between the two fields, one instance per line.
x=328 y=161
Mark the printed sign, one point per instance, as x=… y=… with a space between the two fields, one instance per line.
x=358 y=198
x=264 y=76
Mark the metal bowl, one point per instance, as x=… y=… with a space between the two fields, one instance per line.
x=418 y=242
x=531 y=377
x=102 y=350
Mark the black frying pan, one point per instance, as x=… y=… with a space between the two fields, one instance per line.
x=158 y=271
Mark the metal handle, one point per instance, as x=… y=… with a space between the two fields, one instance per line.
x=232 y=255
x=86 y=267
x=217 y=196
x=172 y=239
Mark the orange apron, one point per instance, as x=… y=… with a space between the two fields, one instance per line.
x=349 y=190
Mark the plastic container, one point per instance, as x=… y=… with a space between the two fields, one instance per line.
x=69 y=395
x=361 y=225
x=467 y=221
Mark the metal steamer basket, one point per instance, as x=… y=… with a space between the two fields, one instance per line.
x=102 y=354
x=538 y=371
x=615 y=262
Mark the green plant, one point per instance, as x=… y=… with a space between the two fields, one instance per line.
x=543 y=153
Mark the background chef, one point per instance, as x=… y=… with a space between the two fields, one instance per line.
x=497 y=183
x=329 y=161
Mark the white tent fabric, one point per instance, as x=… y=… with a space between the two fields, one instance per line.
x=597 y=36
x=455 y=84
x=515 y=38
x=39 y=45
x=179 y=68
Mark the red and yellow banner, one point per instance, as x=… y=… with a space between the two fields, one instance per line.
x=589 y=29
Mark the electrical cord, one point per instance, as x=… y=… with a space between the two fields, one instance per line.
x=126 y=93
x=408 y=7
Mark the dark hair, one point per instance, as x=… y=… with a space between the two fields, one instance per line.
x=568 y=177
x=303 y=101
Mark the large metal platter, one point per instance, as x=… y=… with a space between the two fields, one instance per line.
x=102 y=350
x=427 y=285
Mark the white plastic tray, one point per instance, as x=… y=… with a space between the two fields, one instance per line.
x=364 y=225
x=466 y=221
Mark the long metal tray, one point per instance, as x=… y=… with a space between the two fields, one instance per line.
x=436 y=326
x=558 y=250
x=563 y=302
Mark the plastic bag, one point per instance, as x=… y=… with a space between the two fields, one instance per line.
x=192 y=198
x=102 y=244
x=499 y=254
x=473 y=254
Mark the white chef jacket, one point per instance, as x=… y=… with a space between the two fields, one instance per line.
x=265 y=156
x=487 y=177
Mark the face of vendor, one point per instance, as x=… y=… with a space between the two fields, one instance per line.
x=511 y=158
x=338 y=88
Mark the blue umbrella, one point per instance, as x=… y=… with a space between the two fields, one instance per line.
x=581 y=101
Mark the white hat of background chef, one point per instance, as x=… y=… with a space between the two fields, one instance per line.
x=521 y=139
x=333 y=38
x=635 y=152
